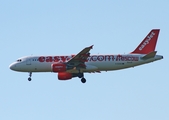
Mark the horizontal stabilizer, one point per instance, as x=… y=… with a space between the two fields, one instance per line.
x=149 y=55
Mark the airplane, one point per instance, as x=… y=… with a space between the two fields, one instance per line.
x=72 y=66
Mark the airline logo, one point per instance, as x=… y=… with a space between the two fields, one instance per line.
x=93 y=58
x=147 y=41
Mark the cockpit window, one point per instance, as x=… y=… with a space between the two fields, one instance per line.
x=19 y=60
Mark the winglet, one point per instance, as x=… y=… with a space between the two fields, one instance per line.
x=149 y=43
x=91 y=47
x=150 y=55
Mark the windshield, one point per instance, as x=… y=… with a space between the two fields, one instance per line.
x=19 y=60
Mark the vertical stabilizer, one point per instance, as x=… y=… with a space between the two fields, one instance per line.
x=148 y=44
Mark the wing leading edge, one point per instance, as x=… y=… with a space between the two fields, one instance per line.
x=78 y=61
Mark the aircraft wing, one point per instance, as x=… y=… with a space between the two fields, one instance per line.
x=78 y=60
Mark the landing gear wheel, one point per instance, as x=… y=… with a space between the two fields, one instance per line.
x=83 y=80
x=29 y=79
x=30 y=74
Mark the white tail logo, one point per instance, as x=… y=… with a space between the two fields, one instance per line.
x=147 y=41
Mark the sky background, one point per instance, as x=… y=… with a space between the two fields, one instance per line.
x=52 y=27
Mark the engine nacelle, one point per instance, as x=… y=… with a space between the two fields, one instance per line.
x=58 y=67
x=64 y=76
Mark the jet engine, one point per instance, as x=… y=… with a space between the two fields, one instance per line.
x=64 y=76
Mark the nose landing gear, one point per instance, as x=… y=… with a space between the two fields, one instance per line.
x=83 y=80
x=30 y=75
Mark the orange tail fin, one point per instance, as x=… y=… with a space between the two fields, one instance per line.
x=149 y=43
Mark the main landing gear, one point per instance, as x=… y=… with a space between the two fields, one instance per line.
x=81 y=75
x=30 y=74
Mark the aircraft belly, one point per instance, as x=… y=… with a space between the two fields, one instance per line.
x=116 y=65
x=104 y=66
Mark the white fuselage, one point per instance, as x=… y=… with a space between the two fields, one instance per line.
x=94 y=63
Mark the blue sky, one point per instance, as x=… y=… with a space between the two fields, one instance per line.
x=65 y=27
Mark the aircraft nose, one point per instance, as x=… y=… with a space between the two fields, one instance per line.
x=12 y=66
